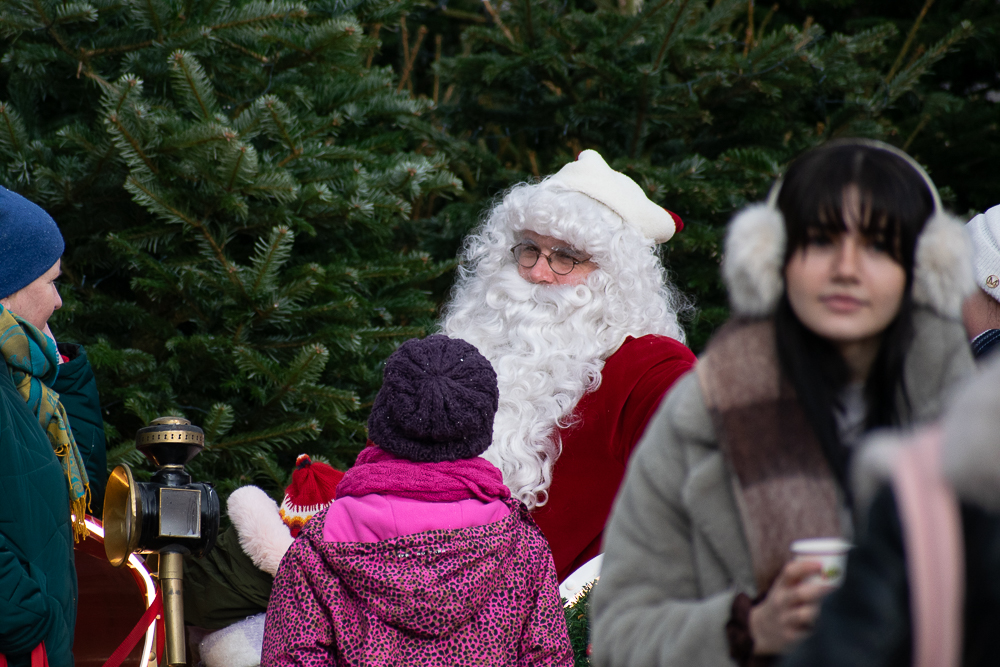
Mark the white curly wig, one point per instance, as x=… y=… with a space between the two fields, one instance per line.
x=548 y=343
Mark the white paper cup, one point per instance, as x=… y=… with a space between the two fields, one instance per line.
x=830 y=552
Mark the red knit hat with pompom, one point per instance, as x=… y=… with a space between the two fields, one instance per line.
x=313 y=487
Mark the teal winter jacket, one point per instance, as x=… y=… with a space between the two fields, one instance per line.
x=37 y=576
x=77 y=391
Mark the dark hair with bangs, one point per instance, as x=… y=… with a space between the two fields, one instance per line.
x=896 y=203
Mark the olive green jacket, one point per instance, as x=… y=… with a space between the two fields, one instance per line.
x=225 y=586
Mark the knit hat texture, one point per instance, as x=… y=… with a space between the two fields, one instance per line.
x=313 y=487
x=591 y=175
x=30 y=242
x=438 y=399
x=984 y=230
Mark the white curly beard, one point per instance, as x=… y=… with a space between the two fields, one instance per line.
x=548 y=343
x=543 y=343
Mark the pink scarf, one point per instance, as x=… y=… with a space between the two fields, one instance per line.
x=377 y=471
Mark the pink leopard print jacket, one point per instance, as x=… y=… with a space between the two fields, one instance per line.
x=484 y=596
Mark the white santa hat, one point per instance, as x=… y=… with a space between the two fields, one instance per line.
x=984 y=230
x=590 y=175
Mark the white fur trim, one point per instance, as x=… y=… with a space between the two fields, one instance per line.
x=970 y=455
x=753 y=259
x=592 y=176
x=238 y=645
x=263 y=535
x=971 y=451
x=872 y=466
x=942 y=274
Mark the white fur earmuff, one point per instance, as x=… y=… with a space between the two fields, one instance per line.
x=753 y=260
x=942 y=272
x=755 y=244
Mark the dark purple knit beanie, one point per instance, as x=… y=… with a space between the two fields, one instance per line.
x=437 y=401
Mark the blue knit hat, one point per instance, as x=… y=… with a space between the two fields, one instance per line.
x=437 y=402
x=30 y=242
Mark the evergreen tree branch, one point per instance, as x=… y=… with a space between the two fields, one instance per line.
x=236 y=167
x=640 y=116
x=668 y=38
x=775 y=45
x=909 y=40
x=411 y=59
x=241 y=49
x=13 y=125
x=228 y=269
x=748 y=38
x=924 y=120
x=498 y=21
x=296 y=432
x=299 y=12
x=641 y=20
x=191 y=79
x=50 y=28
x=87 y=54
x=304 y=370
x=115 y=120
x=371 y=52
x=527 y=24
x=271 y=254
x=151 y=10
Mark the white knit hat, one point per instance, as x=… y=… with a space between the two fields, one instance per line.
x=984 y=230
x=591 y=175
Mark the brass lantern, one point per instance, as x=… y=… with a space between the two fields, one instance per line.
x=169 y=515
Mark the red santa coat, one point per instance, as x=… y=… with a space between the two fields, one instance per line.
x=596 y=448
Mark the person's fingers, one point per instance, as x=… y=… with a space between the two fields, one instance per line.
x=806 y=593
x=797 y=570
x=800 y=618
x=809 y=593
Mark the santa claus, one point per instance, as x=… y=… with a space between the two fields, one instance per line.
x=563 y=291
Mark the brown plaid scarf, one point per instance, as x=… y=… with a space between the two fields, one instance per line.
x=783 y=484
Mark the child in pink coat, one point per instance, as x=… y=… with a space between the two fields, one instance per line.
x=424 y=559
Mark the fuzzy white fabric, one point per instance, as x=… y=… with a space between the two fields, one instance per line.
x=263 y=535
x=548 y=343
x=984 y=230
x=942 y=272
x=970 y=455
x=971 y=452
x=592 y=176
x=238 y=645
x=753 y=260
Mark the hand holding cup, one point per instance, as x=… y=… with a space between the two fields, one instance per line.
x=789 y=609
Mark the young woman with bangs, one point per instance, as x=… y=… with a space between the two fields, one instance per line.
x=846 y=289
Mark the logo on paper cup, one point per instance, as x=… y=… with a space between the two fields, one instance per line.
x=829 y=552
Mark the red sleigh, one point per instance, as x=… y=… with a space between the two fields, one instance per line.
x=114 y=604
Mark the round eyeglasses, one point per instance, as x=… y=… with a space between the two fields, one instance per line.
x=527 y=255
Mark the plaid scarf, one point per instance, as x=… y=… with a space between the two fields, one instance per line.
x=784 y=488
x=32 y=360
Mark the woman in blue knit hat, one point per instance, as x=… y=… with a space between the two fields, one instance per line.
x=50 y=433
